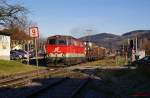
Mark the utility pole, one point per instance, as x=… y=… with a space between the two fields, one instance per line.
x=28 y=58
x=136 y=44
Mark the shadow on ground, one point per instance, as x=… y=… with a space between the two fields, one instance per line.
x=114 y=83
x=23 y=92
x=121 y=82
x=41 y=62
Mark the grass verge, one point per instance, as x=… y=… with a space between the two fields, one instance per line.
x=12 y=67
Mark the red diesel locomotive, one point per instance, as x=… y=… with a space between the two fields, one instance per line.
x=65 y=49
x=69 y=50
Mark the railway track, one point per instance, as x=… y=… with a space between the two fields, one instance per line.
x=63 y=88
x=49 y=87
x=21 y=79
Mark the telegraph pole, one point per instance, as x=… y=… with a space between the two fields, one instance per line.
x=136 y=44
x=28 y=58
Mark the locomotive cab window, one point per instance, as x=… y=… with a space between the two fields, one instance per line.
x=62 y=42
x=57 y=41
x=52 y=41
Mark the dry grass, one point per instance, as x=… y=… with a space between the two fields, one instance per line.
x=118 y=61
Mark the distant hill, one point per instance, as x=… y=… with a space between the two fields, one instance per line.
x=146 y=35
x=136 y=32
x=114 y=41
x=99 y=37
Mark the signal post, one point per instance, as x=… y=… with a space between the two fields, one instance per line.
x=34 y=33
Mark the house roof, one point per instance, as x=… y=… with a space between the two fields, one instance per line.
x=5 y=32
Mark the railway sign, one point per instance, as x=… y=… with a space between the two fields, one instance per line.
x=34 y=32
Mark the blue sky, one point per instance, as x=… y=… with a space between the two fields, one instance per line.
x=75 y=17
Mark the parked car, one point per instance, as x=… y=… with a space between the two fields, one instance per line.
x=143 y=65
x=142 y=62
x=18 y=54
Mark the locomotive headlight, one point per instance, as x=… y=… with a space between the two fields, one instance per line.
x=90 y=44
x=63 y=54
x=49 y=55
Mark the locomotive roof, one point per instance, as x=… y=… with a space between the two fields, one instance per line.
x=63 y=36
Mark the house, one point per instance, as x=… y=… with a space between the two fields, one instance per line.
x=21 y=40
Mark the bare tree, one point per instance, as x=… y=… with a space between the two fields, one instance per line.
x=11 y=15
x=146 y=46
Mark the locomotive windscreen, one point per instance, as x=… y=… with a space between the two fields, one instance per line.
x=52 y=41
x=62 y=42
x=57 y=41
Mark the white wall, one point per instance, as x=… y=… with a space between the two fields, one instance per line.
x=4 y=47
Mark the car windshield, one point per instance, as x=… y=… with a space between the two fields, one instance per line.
x=147 y=58
x=21 y=51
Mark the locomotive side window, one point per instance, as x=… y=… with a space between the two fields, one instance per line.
x=69 y=42
x=52 y=41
